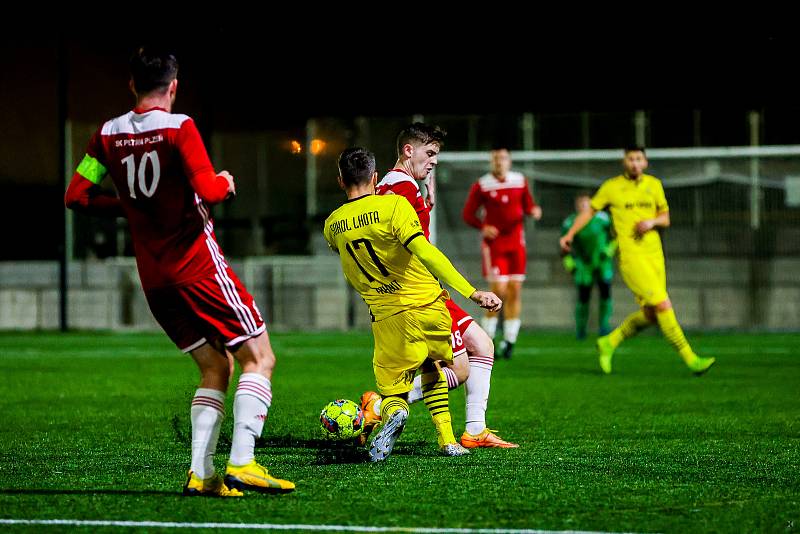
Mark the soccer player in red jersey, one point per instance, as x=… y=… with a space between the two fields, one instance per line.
x=507 y=200
x=166 y=184
x=418 y=146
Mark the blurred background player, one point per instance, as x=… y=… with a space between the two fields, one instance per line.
x=160 y=166
x=506 y=199
x=590 y=261
x=418 y=146
x=387 y=259
x=638 y=209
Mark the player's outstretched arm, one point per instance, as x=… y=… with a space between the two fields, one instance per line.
x=487 y=300
x=439 y=266
x=580 y=221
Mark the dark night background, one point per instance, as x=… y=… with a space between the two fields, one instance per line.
x=236 y=77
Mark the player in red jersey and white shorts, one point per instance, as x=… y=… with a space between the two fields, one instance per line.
x=418 y=146
x=506 y=199
x=166 y=183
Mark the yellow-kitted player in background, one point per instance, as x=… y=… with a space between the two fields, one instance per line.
x=638 y=207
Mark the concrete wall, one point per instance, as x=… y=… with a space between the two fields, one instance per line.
x=302 y=293
x=310 y=293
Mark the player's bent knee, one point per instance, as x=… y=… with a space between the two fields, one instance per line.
x=460 y=367
x=213 y=364
x=478 y=341
x=255 y=355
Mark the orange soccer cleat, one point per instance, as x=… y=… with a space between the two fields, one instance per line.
x=487 y=438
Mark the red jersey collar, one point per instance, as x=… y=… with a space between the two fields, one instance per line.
x=139 y=110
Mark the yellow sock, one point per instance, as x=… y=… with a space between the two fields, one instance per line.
x=391 y=404
x=444 y=428
x=631 y=326
x=674 y=334
x=434 y=393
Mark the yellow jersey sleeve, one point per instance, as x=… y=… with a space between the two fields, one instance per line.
x=438 y=264
x=405 y=222
x=601 y=199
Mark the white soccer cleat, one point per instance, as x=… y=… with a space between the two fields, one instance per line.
x=384 y=440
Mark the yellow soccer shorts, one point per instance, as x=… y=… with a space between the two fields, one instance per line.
x=646 y=277
x=405 y=340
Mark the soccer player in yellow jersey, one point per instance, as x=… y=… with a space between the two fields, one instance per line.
x=387 y=259
x=638 y=207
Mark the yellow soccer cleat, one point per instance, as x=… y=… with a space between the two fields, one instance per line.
x=255 y=477
x=487 y=438
x=210 y=487
x=700 y=365
x=604 y=352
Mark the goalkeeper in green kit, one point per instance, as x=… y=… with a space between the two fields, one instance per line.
x=590 y=261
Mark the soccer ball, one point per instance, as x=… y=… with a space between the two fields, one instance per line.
x=341 y=420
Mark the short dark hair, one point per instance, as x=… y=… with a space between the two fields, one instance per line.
x=635 y=148
x=583 y=193
x=152 y=69
x=356 y=165
x=422 y=133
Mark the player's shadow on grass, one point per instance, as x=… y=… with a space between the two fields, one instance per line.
x=345 y=453
x=327 y=452
x=330 y=452
x=350 y=453
x=87 y=492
